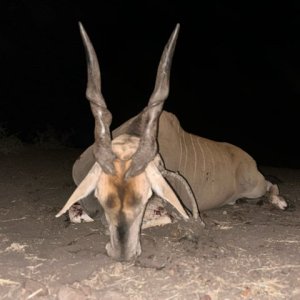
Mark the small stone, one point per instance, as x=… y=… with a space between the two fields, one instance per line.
x=105 y=277
x=68 y=293
x=205 y=297
x=246 y=292
x=118 y=269
x=109 y=295
x=175 y=233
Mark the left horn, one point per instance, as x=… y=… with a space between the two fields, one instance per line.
x=148 y=143
x=102 y=146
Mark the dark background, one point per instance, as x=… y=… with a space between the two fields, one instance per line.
x=235 y=74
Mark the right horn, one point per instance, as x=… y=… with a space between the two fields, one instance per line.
x=147 y=149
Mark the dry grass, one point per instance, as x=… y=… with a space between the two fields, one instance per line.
x=193 y=281
x=4 y=282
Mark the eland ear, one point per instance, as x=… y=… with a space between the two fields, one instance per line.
x=160 y=186
x=87 y=185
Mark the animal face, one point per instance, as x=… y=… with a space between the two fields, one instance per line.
x=126 y=170
x=124 y=201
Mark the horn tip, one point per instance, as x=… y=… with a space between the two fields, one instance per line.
x=81 y=28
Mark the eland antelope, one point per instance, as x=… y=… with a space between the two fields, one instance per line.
x=151 y=155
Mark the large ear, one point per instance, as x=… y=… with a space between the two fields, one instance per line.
x=176 y=180
x=162 y=188
x=87 y=185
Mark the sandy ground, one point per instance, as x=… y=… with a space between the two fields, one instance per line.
x=247 y=251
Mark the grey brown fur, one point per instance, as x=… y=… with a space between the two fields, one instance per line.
x=218 y=173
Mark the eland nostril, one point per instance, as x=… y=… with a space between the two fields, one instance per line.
x=114 y=253
x=134 y=254
x=117 y=255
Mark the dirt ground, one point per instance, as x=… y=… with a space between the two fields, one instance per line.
x=247 y=251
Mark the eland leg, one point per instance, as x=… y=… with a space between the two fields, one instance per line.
x=274 y=197
x=259 y=187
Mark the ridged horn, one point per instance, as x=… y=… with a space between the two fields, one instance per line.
x=102 y=146
x=148 y=142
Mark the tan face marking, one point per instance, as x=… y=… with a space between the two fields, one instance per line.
x=122 y=196
x=124 y=146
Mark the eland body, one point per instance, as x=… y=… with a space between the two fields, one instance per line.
x=151 y=154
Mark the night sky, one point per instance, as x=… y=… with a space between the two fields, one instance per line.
x=235 y=75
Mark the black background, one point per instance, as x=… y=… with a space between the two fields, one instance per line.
x=235 y=74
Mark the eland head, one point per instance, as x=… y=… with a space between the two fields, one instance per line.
x=127 y=169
